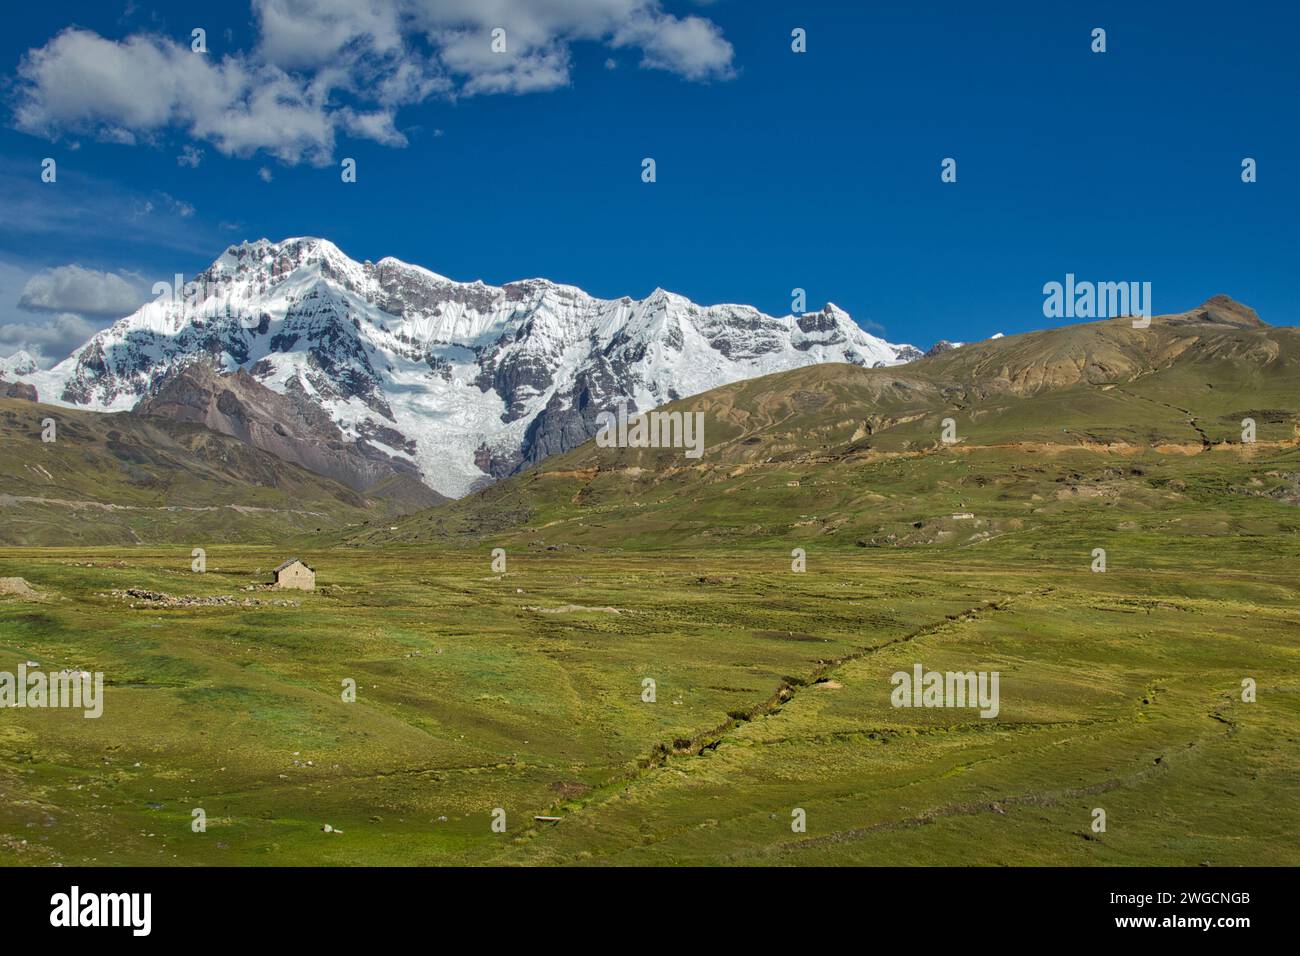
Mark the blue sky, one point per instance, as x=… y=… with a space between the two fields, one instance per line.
x=775 y=170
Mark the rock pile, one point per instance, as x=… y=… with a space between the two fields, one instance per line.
x=160 y=599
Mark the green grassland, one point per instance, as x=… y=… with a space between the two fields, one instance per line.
x=521 y=689
x=476 y=690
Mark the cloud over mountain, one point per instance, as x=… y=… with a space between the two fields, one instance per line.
x=73 y=288
x=46 y=338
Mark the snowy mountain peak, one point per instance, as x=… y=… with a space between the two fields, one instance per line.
x=20 y=363
x=465 y=381
x=388 y=262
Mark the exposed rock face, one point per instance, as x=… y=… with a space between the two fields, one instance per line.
x=289 y=426
x=906 y=353
x=463 y=381
x=938 y=348
x=1219 y=310
x=18 y=390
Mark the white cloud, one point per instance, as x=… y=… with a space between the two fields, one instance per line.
x=179 y=206
x=539 y=34
x=144 y=85
x=689 y=46
x=48 y=340
x=309 y=33
x=324 y=66
x=534 y=69
x=72 y=288
x=51 y=312
x=377 y=126
x=190 y=156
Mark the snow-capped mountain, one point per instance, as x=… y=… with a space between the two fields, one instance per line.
x=465 y=381
x=20 y=363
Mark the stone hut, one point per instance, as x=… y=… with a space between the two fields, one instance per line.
x=295 y=574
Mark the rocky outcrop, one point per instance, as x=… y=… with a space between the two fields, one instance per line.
x=291 y=427
x=1218 y=310
x=18 y=390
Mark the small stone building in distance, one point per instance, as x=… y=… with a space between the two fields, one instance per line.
x=294 y=574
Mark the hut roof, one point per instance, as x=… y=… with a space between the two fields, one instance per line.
x=294 y=561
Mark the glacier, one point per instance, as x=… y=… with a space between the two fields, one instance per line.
x=468 y=382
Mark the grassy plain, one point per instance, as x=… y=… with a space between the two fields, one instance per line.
x=477 y=690
x=522 y=690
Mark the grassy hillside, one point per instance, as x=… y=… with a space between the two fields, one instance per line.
x=1099 y=418
x=124 y=479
